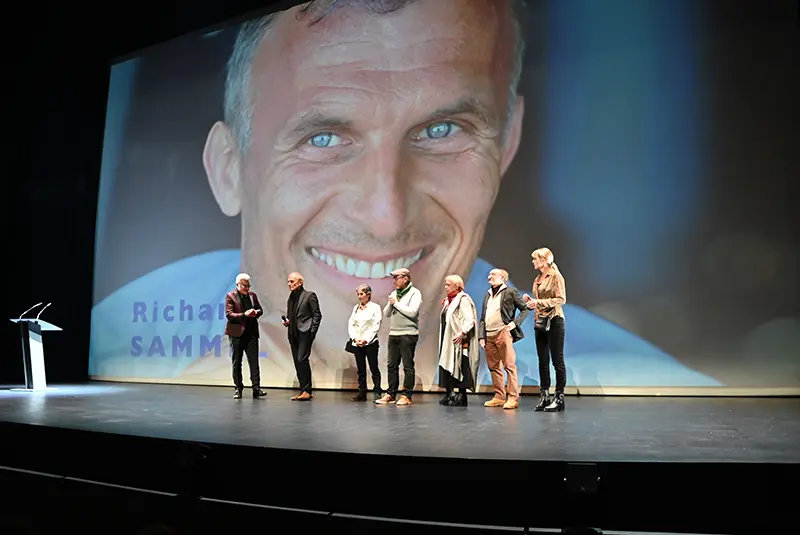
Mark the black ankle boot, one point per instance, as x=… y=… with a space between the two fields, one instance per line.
x=544 y=401
x=460 y=400
x=557 y=403
x=447 y=399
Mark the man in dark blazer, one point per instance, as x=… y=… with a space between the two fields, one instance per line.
x=499 y=329
x=302 y=319
x=242 y=310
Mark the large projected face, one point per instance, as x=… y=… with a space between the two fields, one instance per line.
x=344 y=139
x=375 y=142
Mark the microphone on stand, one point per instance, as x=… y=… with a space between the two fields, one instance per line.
x=42 y=310
x=34 y=306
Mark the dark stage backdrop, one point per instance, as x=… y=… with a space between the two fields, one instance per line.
x=57 y=89
x=656 y=160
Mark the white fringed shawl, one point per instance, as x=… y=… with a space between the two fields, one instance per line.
x=461 y=316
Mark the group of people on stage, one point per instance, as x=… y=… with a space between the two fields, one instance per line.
x=461 y=333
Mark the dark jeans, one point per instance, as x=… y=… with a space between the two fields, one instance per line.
x=364 y=355
x=402 y=348
x=550 y=344
x=245 y=345
x=301 y=351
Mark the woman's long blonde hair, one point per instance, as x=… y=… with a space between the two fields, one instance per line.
x=543 y=253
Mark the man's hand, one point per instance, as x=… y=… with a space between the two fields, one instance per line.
x=482 y=342
x=457 y=338
x=392 y=300
x=250 y=313
x=531 y=303
x=361 y=343
x=510 y=326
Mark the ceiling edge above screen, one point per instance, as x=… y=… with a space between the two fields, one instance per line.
x=249 y=12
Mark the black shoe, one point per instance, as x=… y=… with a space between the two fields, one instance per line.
x=237 y=394
x=556 y=404
x=258 y=393
x=447 y=399
x=359 y=397
x=460 y=400
x=544 y=401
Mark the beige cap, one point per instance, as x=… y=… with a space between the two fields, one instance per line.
x=399 y=272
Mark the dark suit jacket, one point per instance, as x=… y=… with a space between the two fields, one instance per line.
x=308 y=315
x=511 y=301
x=235 y=313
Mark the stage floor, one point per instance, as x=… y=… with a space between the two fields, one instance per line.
x=592 y=429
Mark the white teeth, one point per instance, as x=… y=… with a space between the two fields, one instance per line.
x=363 y=269
x=377 y=272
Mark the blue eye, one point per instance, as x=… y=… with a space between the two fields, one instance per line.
x=321 y=140
x=439 y=130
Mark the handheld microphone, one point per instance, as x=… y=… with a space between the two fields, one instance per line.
x=42 y=310
x=34 y=306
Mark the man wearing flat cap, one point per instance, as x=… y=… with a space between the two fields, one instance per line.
x=402 y=310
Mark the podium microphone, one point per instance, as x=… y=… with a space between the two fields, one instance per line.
x=34 y=306
x=42 y=310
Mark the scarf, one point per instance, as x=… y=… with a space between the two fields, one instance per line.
x=404 y=291
x=450 y=297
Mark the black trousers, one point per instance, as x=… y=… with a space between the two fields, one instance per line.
x=364 y=355
x=246 y=344
x=401 y=348
x=300 y=343
x=450 y=383
x=550 y=345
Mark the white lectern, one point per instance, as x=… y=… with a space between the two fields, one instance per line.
x=33 y=351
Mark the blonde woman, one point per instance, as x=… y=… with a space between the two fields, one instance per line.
x=459 y=351
x=549 y=296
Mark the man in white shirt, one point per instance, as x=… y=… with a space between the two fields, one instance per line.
x=403 y=311
x=363 y=327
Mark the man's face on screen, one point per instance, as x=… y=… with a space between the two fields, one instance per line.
x=377 y=143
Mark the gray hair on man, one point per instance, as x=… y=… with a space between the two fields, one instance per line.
x=238 y=90
x=502 y=272
x=242 y=277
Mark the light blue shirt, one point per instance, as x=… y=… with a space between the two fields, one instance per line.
x=191 y=293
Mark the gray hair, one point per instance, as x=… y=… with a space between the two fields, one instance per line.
x=456 y=280
x=366 y=288
x=242 y=277
x=238 y=91
x=502 y=272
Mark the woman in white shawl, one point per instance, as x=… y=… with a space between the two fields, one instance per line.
x=459 y=352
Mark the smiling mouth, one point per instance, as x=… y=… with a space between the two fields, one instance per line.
x=365 y=269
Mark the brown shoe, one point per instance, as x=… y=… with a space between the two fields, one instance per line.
x=404 y=400
x=385 y=400
x=305 y=396
x=511 y=404
x=494 y=402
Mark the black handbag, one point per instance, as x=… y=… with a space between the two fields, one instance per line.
x=349 y=347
